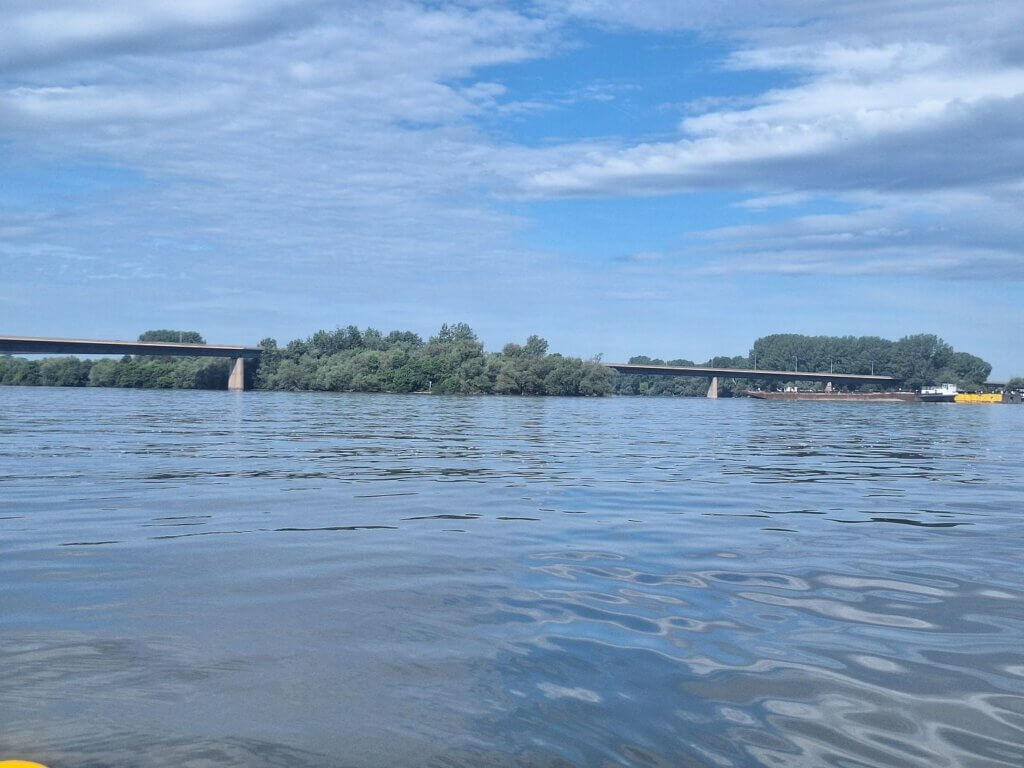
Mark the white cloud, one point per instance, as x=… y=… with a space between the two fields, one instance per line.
x=38 y=33
x=25 y=107
x=883 y=101
x=322 y=152
x=837 y=59
x=871 y=79
x=780 y=200
x=939 y=235
x=773 y=23
x=828 y=119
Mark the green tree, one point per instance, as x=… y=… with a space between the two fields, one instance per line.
x=64 y=372
x=174 y=337
x=535 y=347
x=103 y=374
x=454 y=361
x=267 y=364
x=917 y=360
x=17 y=371
x=967 y=370
x=563 y=379
x=596 y=380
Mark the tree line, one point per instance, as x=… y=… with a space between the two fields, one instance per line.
x=346 y=359
x=451 y=362
x=454 y=361
x=917 y=361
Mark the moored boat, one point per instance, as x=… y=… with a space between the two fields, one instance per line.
x=942 y=394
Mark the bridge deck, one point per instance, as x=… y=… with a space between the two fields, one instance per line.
x=748 y=373
x=29 y=345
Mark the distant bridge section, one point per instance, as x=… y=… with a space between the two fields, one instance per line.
x=29 y=345
x=746 y=373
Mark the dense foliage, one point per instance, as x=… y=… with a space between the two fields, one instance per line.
x=179 y=337
x=154 y=372
x=346 y=359
x=917 y=361
x=148 y=372
x=453 y=361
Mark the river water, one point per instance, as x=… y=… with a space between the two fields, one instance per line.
x=276 y=579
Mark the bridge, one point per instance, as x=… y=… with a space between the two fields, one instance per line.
x=746 y=373
x=29 y=345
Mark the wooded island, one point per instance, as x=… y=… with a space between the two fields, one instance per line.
x=454 y=362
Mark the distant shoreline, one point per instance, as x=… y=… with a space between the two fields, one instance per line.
x=454 y=362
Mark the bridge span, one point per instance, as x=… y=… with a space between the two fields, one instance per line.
x=30 y=345
x=746 y=373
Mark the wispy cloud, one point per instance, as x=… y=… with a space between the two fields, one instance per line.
x=40 y=34
x=953 y=235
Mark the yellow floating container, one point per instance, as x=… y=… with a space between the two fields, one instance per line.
x=982 y=398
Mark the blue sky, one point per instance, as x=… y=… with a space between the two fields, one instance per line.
x=662 y=178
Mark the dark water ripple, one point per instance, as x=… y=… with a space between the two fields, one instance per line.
x=205 y=579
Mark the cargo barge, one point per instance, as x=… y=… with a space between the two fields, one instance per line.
x=924 y=396
x=859 y=397
x=948 y=393
x=987 y=397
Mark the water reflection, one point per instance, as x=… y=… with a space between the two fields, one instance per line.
x=277 y=580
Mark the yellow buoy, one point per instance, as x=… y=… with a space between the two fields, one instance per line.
x=20 y=764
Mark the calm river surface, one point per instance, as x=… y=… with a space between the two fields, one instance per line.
x=273 y=579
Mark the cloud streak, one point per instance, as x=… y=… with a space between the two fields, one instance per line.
x=867 y=128
x=43 y=34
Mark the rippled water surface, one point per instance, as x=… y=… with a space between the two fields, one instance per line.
x=255 y=579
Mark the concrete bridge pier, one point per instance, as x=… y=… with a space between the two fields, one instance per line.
x=236 y=381
x=713 y=389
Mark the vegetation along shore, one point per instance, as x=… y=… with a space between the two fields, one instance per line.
x=454 y=362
